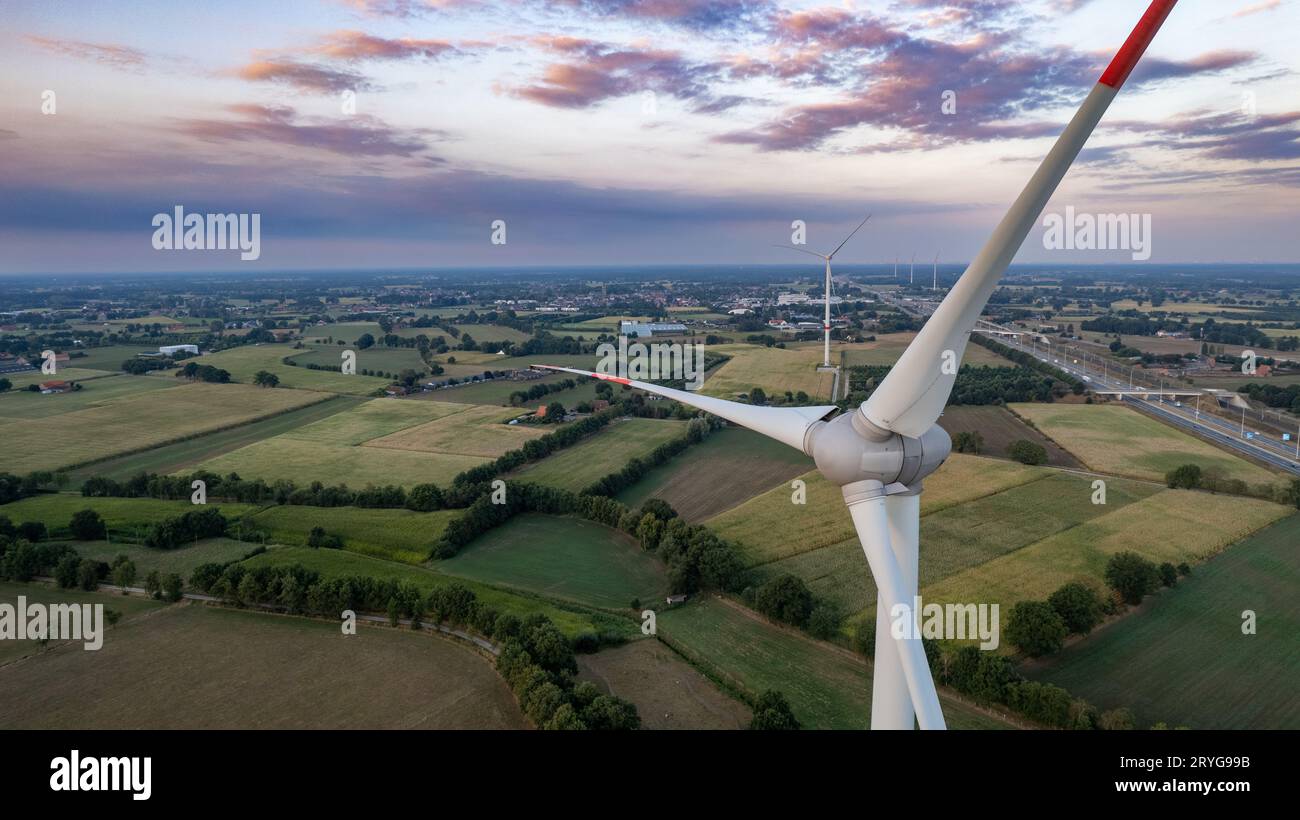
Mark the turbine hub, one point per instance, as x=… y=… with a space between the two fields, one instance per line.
x=844 y=456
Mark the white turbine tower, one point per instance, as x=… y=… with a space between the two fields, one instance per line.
x=880 y=453
x=827 y=257
x=935 y=285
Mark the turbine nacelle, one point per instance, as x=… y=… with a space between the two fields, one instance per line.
x=845 y=455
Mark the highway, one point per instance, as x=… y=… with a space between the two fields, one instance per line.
x=1271 y=451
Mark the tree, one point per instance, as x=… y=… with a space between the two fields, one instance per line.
x=88 y=575
x=65 y=572
x=1027 y=452
x=555 y=412
x=864 y=637
x=171 y=587
x=969 y=442
x=1078 y=606
x=265 y=378
x=366 y=340
x=1186 y=477
x=87 y=525
x=1168 y=574
x=772 y=713
x=785 y=598
x=1132 y=576
x=1035 y=628
x=757 y=396
x=1116 y=719
x=824 y=622
x=123 y=572
x=153 y=584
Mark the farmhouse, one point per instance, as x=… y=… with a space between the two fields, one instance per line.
x=58 y=386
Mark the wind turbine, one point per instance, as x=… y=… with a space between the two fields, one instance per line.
x=880 y=453
x=826 y=321
x=935 y=286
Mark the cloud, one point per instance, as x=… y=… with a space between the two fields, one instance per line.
x=402 y=9
x=6 y=134
x=589 y=72
x=1229 y=136
x=360 y=136
x=354 y=46
x=115 y=56
x=302 y=76
x=700 y=15
x=1267 y=5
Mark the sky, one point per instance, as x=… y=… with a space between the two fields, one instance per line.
x=395 y=133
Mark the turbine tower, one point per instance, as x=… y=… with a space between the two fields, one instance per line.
x=880 y=453
x=827 y=257
x=911 y=273
x=935 y=286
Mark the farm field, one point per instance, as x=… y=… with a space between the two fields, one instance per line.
x=561 y=557
x=667 y=692
x=11 y=650
x=1000 y=427
x=72 y=374
x=330 y=450
x=349 y=332
x=1170 y=525
x=497 y=392
x=600 y=454
x=243 y=362
x=1112 y=438
x=769 y=527
x=827 y=687
x=181 y=560
x=384 y=359
x=728 y=468
x=341 y=564
x=209 y=668
x=889 y=346
x=1180 y=659
x=394 y=534
x=22 y=404
x=184 y=455
x=131 y=424
x=492 y=333
x=109 y=357
x=474 y=431
x=771 y=368
x=120 y=514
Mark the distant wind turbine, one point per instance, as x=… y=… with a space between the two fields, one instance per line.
x=826 y=322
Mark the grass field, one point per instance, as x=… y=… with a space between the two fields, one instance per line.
x=74 y=374
x=330 y=451
x=11 y=650
x=728 y=468
x=493 y=333
x=1183 y=658
x=181 y=560
x=132 y=424
x=598 y=455
x=110 y=357
x=55 y=510
x=23 y=404
x=474 y=431
x=244 y=361
x=398 y=535
x=773 y=369
x=1000 y=427
x=566 y=558
x=384 y=359
x=213 y=668
x=185 y=455
x=889 y=346
x=1112 y=438
x=828 y=688
x=341 y=563
x=349 y=332
x=497 y=391
x=668 y=692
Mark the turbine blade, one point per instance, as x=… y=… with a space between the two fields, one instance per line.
x=831 y=255
x=871 y=520
x=801 y=250
x=787 y=425
x=914 y=393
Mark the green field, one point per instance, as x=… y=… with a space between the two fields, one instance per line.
x=138 y=423
x=773 y=369
x=349 y=332
x=827 y=687
x=398 y=535
x=999 y=427
x=492 y=333
x=75 y=374
x=384 y=359
x=245 y=361
x=497 y=392
x=341 y=564
x=1183 y=658
x=474 y=431
x=181 y=560
x=197 y=667
x=23 y=404
x=1112 y=438
x=109 y=357
x=120 y=514
x=728 y=468
x=600 y=454
x=565 y=558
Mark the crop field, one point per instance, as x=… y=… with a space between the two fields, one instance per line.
x=731 y=466
x=181 y=560
x=1181 y=658
x=330 y=450
x=23 y=404
x=827 y=687
x=497 y=392
x=109 y=357
x=1000 y=427
x=889 y=346
x=384 y=359
x=11 y=650
x=667 y=692
x=243 y=362
x=475 y=431
x=184 y=455
x=72 y=374
x=55 y=510
x=1170 y=525
x=492 y=333
x=132 y=424
x=600 y=454
x=349 y=332
x=560 y=557
x=771 y=368
x=394 y=534
x=962 y=536
x=341 y=564
x=770 y=527
x=1111 y=438
x=214 y=668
